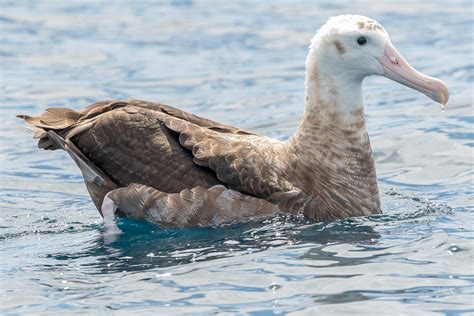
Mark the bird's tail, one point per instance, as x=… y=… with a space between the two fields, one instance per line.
x=55 y=128
x=59 y=120
x=66 y=122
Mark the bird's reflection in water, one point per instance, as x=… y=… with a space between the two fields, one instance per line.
x=141 y=245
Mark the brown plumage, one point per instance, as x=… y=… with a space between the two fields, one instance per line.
x=177 y=169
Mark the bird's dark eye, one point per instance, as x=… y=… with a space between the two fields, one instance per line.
x=362 y=40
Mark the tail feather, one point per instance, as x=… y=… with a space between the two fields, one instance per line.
x=58 y=119
x=53 y=118
x=67 y=122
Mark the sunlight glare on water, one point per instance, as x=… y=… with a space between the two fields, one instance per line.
x=240 y=63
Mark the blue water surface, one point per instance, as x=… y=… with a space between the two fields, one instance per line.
x=241 y=63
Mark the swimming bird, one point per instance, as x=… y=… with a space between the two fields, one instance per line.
x=151 y=161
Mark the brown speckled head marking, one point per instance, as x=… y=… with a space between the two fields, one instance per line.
x=371 y=25
x=339 y=47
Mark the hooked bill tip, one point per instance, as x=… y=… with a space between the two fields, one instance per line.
x=442 y=93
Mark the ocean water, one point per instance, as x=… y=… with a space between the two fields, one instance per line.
x=241 y=63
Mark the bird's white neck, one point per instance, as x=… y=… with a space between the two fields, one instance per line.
x=330 y=154
x=329 y=87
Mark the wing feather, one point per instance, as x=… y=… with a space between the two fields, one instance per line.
x=165 y=148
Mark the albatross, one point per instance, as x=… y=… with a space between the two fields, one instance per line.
x=151 y=161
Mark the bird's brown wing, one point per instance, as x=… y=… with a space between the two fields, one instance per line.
x=156 y=145
x=165 y=148
x=245 y=161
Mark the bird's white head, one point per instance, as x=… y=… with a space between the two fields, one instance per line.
x=350 y=47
